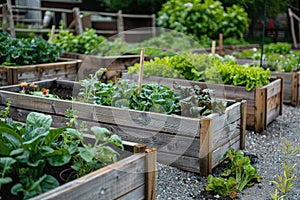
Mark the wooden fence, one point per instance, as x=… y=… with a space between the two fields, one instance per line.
x=75 y=21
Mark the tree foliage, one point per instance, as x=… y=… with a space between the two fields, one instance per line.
x=132 y=6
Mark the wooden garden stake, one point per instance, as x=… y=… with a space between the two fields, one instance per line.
x=52 y=34
x=213 y=48
x=140 y=81
x=220 y=44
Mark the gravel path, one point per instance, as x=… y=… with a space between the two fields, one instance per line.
x=177 y=184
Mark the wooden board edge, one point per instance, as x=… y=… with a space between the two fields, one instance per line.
x=151 y=173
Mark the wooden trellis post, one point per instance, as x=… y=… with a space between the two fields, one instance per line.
x=11 y=20
x=78 y=23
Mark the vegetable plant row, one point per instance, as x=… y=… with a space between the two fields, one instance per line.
x=16 y=51
x=189 y=101
x=206 y=68
x=278 y=57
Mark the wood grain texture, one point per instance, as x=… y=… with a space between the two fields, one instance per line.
x=63 y=69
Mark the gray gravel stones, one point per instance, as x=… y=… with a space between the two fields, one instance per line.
x=176 y=184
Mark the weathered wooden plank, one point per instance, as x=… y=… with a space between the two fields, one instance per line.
x=205 y=153
x=218 y=153
x=63 y=69
x=227 y=133
x=231 y=115
x=147 y=120
x=138 y=194
x=273 y=88
x=109 y=182
x=186 y=163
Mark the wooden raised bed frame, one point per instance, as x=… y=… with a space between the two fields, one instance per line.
x=191 y=144
x=133 y=176
x=64 y=69
x=291 y=87
x=264 y=103
x=92 y=63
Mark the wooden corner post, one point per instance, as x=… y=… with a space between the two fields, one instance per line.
x=243 y=122
x=281 y=94
x=205 y=146
x=151 y=173
x=295 y=80
x=260 y=109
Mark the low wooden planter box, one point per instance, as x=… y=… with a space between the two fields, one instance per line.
x=133 y=176
x=64 y=69
x=264 y=104
x=291 y=87
x=191 y=144
x=92 y=63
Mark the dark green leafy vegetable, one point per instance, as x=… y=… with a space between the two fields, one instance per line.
x=27 y=150
x=21 y=51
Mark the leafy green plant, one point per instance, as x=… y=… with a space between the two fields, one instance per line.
x=190 y=101
x=281 y=48
x=88 y=86
x=84 y=43
x=22 y=51
x=107 y=48
x=285 y=182
x=224 y=187
x=212 y=69
x=27 y=150
x=240 y=172
x=197 y=18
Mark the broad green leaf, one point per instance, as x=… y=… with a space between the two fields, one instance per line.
x=86 y=154
x=5 y=180
x=16 y=189
x=37 y=120
x=117 y=141
x=60 y=158
x=100 y=132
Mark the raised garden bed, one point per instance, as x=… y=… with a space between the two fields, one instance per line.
x=264 y=103
x=191 y=144
x=64 y=69
x=291 y=87
x=132 y=177
x=92 y=63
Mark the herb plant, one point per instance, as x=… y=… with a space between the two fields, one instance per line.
x=285 y=182
x=22 y=51
x=28 y=150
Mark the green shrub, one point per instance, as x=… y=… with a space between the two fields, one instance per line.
x=208 y=17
